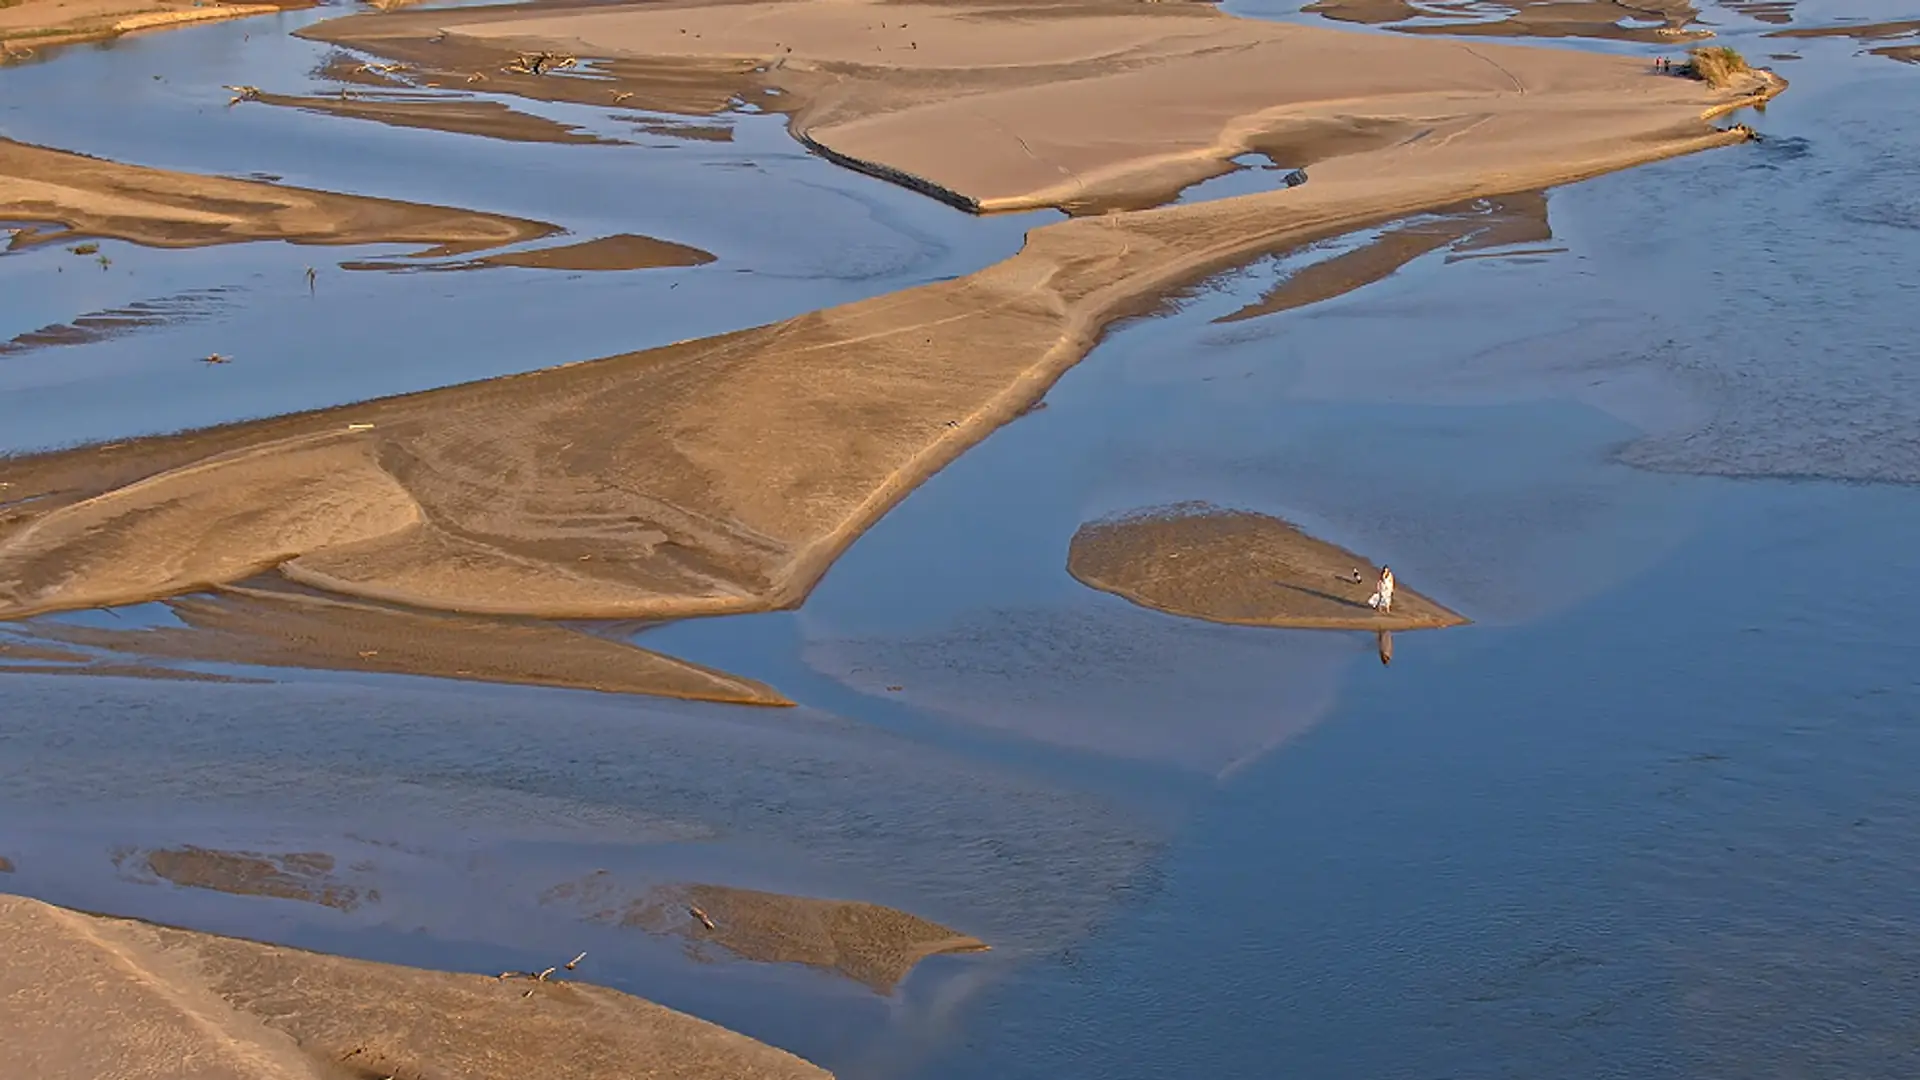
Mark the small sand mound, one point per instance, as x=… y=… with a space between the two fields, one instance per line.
x=301 y=875
x=1235 y=566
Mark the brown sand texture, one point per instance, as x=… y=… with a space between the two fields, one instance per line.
x=89 y=997
x=871 y=944
x=1235 y=566
x=161 y=208
x=430 y=111
x=1525 y=18
x=622 y=251
x=29 y=25
x=725 y=475
x=306 y=876
x=274 y=625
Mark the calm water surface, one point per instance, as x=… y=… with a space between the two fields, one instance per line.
x=1652 y=815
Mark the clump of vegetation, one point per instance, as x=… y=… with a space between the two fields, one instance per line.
x=1716 y=64
x=85 y=249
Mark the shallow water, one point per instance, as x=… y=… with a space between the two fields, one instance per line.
x=1651 y=815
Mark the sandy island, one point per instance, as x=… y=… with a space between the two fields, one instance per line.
x=871 y=944
x=90 y=997
x=725 y=475
x=1235 y=566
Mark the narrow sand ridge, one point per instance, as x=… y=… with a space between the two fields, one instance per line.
x=29 y=25
x=1616 y=20
x=161 y=208
x=1234 y=566
x=725 y=475
x=868 y=943
x=272 y=624
x=1905 y=33
x=90 y=997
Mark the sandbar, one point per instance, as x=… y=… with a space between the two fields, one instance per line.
x=726 y=474
x=274 y=624
x=869 y=943
x=90 y=996
x=167 y=209
x=1236 y=566
x=28 y=25
x=621 y=251
x=188 y=306
x=305 y=876
x=1905 y=30
x=437 y=112
x=1469 y=230
x=1614 y=20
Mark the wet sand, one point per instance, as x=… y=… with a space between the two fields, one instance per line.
x=182 y=307
x=1467 y=230
x=275 y=625
x=1614 y=20
x=306 y=876
x=161 y=208
x=90 y=996
x=873 y=945
x=1235 y=566
x=623 y=251
x=435 y=112
x=29 y=25
x=1906 y=32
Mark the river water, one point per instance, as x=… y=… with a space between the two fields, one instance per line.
x=1651 y=815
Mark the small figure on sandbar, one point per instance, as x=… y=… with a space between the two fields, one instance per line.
x=1382 y=598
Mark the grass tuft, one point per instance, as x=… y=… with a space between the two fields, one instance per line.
x=1717 y=65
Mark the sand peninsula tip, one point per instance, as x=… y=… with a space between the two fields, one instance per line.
x=1236 y=566
x=240 y=1010
x=726 y=474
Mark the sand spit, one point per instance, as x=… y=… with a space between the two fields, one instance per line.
x=1469 y=230
x=29 y=25
x=870 y=944
x=622 y=251
x=1014 y=105
x=1235 y=566
x=161 y=208
x=276 y=625
x=726 y=474
x=90 y=997
x=1615 y=20
x=436 y=112
x=306 y=876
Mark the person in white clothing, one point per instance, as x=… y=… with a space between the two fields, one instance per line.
x=1382 y=598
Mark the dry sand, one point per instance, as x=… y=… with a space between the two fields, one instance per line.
x=1645 y=20
x=89 y=997
x=1234 y=566
x=725 y=475
x=276 y=625
x=870 y=944
x=161 y=208
x=29 y=25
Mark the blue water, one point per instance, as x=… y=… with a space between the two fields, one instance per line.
x=1651 y=815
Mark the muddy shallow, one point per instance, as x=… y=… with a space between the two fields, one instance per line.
x=1650 y=815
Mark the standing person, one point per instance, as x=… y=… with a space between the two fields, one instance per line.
x=1382 y=597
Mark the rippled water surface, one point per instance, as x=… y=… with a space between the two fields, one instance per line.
x=1651 y=815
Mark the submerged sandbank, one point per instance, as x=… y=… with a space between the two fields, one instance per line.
x=726 y=474
x=869 y=943
x=162 y=208
x=90 y=996
x=1236 y=566
x=273 y=624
